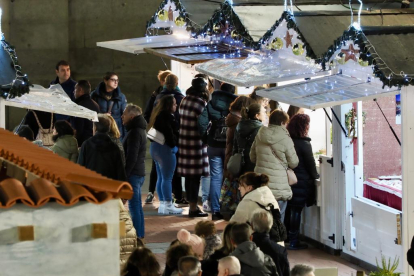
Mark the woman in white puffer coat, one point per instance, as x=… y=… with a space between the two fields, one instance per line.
x=273 y=151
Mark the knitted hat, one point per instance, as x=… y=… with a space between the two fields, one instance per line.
x=196 y=243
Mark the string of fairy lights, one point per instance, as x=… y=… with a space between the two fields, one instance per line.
x=225 y=27
x=20 y=85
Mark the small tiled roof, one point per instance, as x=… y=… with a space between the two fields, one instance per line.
x=60 y=180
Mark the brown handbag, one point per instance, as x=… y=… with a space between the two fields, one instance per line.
x=292 y=179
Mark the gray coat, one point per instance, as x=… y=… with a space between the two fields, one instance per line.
x=253 y=261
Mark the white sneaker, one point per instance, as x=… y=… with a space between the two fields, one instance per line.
x=161 y=209
x=170 y=209
x=206 y=206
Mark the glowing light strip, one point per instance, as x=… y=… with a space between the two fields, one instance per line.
x=359 y=12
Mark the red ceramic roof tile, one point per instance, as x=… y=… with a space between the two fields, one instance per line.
x=61 y=180
x=12 y=191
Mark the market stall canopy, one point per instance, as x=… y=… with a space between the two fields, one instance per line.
x=258 y=70
x=328 y=91
x=53 y=100
x=321 y=28
x=283 y=57
x=199 y=53
x=372 y=62
x=304 y=2
x=136 y=45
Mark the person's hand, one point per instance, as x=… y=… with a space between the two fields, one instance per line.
x=174 y=150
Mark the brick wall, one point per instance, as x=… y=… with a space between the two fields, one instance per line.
x=382 y=153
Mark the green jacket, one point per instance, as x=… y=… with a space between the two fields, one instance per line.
x=67 y=147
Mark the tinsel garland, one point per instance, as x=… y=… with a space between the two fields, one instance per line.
x=178 y=7
x=21 y=83
x=364 y=45
x=291 y=24
x=226 y=13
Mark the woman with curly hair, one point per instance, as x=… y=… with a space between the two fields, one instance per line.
x=304 y=190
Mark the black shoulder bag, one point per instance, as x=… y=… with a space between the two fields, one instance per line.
x=278 y=231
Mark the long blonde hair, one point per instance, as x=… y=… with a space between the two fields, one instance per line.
x=165 y=103
x=113 y=129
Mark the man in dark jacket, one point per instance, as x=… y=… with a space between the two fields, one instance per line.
x=83 y=127
x=135 y=145
x=261 y=222
x=252 y=260
x=110 y=99
x=212 y=125
x=100 y=154
x=68 y=84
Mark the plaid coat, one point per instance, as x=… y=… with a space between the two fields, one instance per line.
x=192 y=158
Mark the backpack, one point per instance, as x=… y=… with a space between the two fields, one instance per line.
x=278 y=231
x=218 y=128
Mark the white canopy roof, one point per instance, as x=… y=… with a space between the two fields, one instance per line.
x=53 y=100
x=136 y=45
x=259 y=70
x=328 y=91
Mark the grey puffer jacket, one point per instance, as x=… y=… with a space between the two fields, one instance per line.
x=253 y=261
x=270 y=142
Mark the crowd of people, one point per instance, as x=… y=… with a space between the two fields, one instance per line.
x=238 y=148
x=244 y=249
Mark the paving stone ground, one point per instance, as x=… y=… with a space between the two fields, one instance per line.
x=161 y=230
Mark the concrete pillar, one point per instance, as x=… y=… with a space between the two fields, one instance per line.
x=45 y=32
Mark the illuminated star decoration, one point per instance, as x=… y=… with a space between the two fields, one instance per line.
x=288 y=39
x=350 y=53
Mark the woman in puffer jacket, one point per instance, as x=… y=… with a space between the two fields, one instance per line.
x=273 y=151
x=129 y=242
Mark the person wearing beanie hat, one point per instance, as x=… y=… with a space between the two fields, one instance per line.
x=212 y=127
x=193 y=163
x=196 y=243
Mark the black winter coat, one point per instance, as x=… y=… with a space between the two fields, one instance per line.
x=84 y=127
x=178 y=98
x=210 y=266
x=304 y=192
x=253 y=261
x=217 y=108
x=69 y=87
x=246 y=131
x=410 y=254
x=118 y=108
x=277 y=252
x=150 y=104
x=166 y=124
x=103 y=156
x=135 y=146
